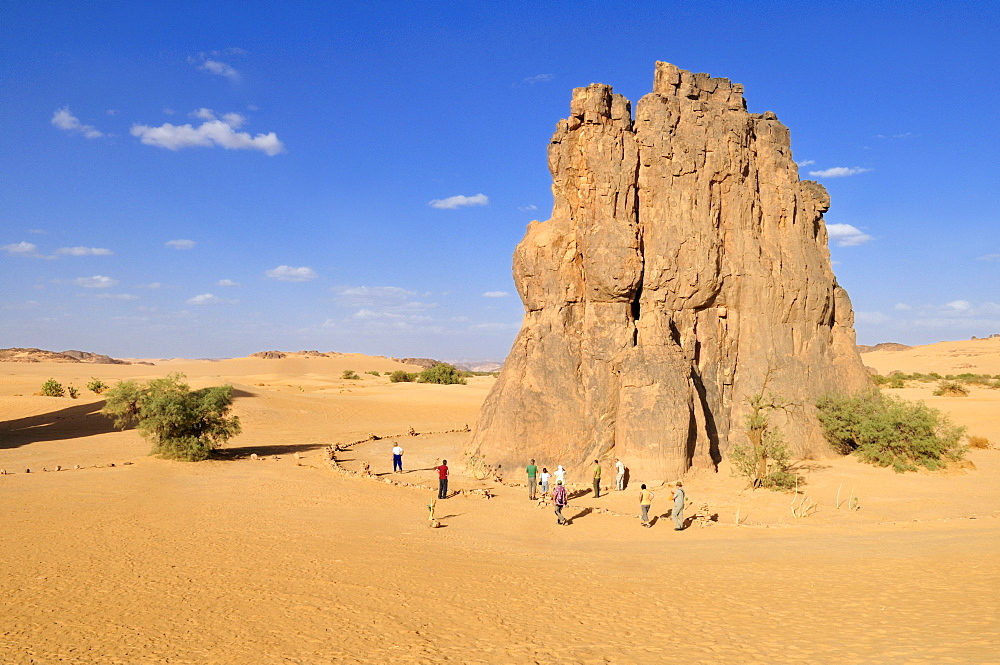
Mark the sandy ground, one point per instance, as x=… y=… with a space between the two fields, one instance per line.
x=289 y=561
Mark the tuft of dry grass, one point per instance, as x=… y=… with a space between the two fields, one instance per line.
x=980 y=442
x=951 y=389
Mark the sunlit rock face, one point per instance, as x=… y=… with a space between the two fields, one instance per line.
x=684 y=262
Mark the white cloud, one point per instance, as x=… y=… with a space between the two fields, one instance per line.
x=84 y=251
x=21 y=249
x=871 y=318
x=153 y=285
x=959 y=305
x=459 y=201
x=839 y=172
x=806 y=162
x=95 y=282
x=528 y=208
x=180 y=244
x=495 y=294
x=538 y=78
x=988 y=257
x=45 y=233
x=117 y=296
x=846 y=235
x=290 y=274
x=65 y=120
x=220 y=69
x=208 y=299
x=227 y=282
x=903 y=307
x=212 y=132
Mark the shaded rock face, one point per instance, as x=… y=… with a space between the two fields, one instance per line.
x=684 y=262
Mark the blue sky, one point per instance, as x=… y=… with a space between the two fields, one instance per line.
x=214 y=179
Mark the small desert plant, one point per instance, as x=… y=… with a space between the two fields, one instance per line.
x=350 y=374
x=96 y=386
x=980 y=442
x=951 y=389
x=182 y=424
x=441 y=373
x=402 y=376
x=763 y=461
x=72 y=392
x=895 y=381
x=53 y=388
x=373 y=372
x=886 y=431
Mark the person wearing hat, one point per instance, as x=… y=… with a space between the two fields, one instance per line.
x=560 y=499
x=677 y=514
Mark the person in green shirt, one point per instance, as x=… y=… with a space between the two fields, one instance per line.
x=532 y=480
x=597 y=478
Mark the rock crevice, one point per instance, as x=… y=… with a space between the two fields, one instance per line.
x=684 y=259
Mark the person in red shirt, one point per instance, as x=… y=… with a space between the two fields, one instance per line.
x=443 y=480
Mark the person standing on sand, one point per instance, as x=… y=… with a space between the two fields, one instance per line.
x=560 y=474
x=397 y=458
x=560 y=499
x=645 y=501
x=597 y=479
x=443 y=480
x=619 y=475
x=532 y=480
x=677 y=514
x=543 y=478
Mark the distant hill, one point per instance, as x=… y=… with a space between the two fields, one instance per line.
x=884 y=346
x=20 y=355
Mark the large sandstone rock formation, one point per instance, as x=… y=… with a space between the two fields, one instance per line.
x=684 y=260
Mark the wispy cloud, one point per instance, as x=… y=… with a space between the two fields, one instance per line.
x=537 y=78
x=839 y=172
x=180 y=244
x=208 y=299
x=495 y=294
x=459 y=201
x=64 y=119
x=528 y=208
x=902 y=135
x=117 y=296
x=806 y=162
x=21 y=249
x=152 y=285
x=209 y=62
x=96 y=282
x=988 y=257
x=227 y=282
x=84 y=251
x=214 y=131
x=846 y=235
x=290 y=274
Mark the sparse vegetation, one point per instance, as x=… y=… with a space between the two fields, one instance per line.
x=442 y=373
x=72 y=392
x=887 y=431
x=951 y=389
x=182 y=424
x=898 y=379
x=763 y=461
x=979 y=442
x=373 y=372
x=350 y=374
x=402 y=376
x=53 y=388
x=96 y=386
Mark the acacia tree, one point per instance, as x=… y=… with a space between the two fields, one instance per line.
x=182 y=423
x=765 y=461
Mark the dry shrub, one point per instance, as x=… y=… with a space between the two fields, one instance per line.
x=980 y=442
x=951 y=389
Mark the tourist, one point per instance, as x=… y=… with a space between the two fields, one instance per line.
x=597 y=479
x=397 y=458
x=443 y=480
x=532 y=480
x=678 y=512
x=645 y=501
x=619 y=475
x=560 y=474
x=560 y=499
x=543 y=478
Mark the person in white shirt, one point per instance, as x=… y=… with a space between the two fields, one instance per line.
x=620 y=475
x=544 y=480
x=397 y=458
x=560 y=475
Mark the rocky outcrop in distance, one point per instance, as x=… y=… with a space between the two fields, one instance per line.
x=883 y=346
x=32 y=355
x=683 y=264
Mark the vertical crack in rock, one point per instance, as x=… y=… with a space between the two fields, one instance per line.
x=683 y=259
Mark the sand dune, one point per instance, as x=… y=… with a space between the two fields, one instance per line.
x=283 y=561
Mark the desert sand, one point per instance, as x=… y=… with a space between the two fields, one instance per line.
x=286 y=559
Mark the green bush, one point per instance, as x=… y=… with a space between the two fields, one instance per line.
x=951 y=389
x=401 y=376
x=895 y=381
x=763 y=460
x=350 y=374
x=72 y=392
x=442 y=373
x=53 y=388
x=373 y=372
x=96 y=386
x=182 y=424
x=887 y=431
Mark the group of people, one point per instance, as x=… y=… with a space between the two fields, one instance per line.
x=560 y=497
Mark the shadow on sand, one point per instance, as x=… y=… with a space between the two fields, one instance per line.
x=71 y=422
